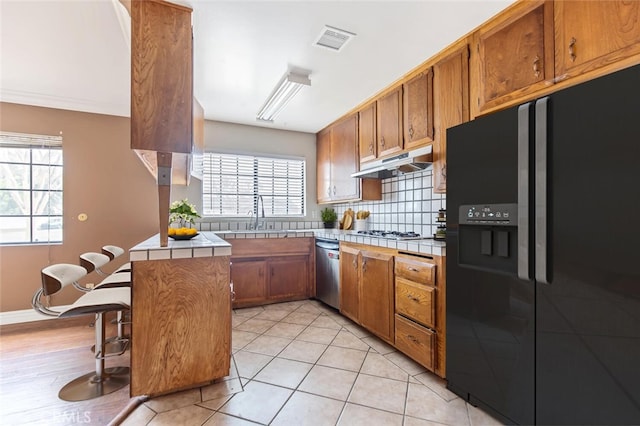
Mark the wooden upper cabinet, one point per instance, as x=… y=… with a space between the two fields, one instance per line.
x=418 y=109
x=389 y=122
x=514 y=55
x=337 y=160
x=323 y=165
x=161 y=77
x=594 y=34
x=367 y=134
x=451 y=107
x=344 y=159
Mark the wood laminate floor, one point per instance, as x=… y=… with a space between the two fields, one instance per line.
x=37 y=359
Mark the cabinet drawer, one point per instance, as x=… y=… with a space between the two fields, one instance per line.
x=416 y=270
x=416 y=341
x=416 y=301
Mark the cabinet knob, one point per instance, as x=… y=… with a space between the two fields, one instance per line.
x=536 y=66
x=572 y=49
x=413 y=298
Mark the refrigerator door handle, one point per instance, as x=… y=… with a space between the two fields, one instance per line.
x=541 y=192
x=523 y=191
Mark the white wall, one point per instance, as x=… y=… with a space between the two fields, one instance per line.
x=241 y=139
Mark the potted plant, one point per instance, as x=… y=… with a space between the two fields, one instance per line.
x=329 y=217
x=184 y=214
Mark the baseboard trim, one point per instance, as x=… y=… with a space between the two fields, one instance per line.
x=25 y=315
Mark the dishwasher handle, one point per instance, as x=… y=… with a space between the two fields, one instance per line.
x=328 y=244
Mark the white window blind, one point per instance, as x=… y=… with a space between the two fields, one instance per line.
x=231 y=185
x=30 y=188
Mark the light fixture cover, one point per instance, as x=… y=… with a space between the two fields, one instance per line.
x=287 y=88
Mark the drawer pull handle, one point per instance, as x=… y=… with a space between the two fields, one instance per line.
x=410 y=297
x=412 y=338
x=413 y=269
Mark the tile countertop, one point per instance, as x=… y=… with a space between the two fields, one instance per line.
x=210 y=243
x=206 y=244
x=422 y=246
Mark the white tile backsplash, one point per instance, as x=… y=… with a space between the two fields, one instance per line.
x=408 y=204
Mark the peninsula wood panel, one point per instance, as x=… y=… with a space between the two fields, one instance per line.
x=181 y=330
x=161 y=77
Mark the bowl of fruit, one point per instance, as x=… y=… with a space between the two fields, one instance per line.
x=182 y=233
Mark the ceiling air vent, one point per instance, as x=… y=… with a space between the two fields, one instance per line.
x=333 y=38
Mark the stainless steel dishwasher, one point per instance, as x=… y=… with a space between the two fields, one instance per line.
x=328 y=271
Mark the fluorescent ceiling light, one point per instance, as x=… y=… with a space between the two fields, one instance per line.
x=280 y=97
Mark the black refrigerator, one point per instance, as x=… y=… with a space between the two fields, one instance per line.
x=543 y=257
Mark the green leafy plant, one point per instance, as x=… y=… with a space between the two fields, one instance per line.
x=328 y=215
x=183 y=212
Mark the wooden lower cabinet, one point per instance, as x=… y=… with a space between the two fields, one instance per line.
x=349 y=282
x=249 y=280
x=288 y=278
x=376 y=293
x=416 y=341
x=366 y=288
x=271 y=270
x=420 y=316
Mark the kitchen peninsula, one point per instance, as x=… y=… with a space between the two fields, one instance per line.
x=181 y=314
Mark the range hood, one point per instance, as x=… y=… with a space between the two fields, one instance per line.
x=407 y=162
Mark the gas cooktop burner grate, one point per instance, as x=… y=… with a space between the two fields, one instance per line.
x=392 y=235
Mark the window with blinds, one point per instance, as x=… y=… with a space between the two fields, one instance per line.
x=231 y=185
x=30 y=188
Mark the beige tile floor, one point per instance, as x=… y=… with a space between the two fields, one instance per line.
x=301 y=363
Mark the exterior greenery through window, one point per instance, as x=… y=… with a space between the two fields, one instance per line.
x=30 y=188
x=232 y=183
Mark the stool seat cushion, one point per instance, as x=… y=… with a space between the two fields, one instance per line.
x=120 y=279
x=106 y=300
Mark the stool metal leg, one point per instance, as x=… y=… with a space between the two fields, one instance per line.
x=100 y=382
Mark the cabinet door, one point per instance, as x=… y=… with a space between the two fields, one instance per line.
x=249 y=281
x=323 y=166
x=344 y=160
x=389 y=121
x=592 y=34
x=515 y=55
x=349 y=278
x=451 y=107
x=376 y=294
x=367 y=133
x=418 y=109
x=288 y=278
x=161 y=77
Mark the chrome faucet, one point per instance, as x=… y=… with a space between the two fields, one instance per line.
x=260 y=199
